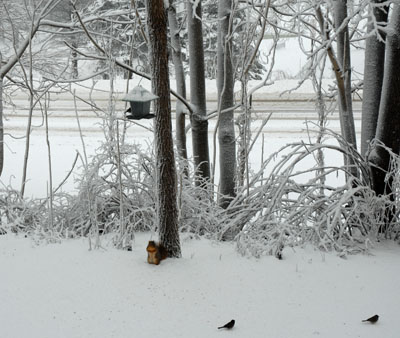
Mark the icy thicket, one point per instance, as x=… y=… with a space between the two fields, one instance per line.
x=290 y=206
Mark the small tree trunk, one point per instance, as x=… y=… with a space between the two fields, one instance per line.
x=167 y=211
x=180 y=85
x=243 y=124
x=388 y=127
x=198 y=92
x=344 y=91
x=225 y=84
x=7 y=66
x=373 y=76
x=74 y=61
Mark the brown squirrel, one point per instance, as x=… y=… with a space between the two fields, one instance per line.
x=156 y=252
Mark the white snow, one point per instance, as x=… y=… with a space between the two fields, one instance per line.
x=65 y=291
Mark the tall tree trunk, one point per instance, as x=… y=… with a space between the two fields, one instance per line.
x=345 y=97
x=388 y=127
x=180 y=85
x=373 y=75
x=198 y=92
x=225 y=84
x=167 y=212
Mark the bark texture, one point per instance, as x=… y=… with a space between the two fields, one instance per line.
x=343 y=74
x=180 y=84
x=373 y=75
x=198 y=92
x=388 y=127
x=74 y=61
x=167 y=212
x=225 y=84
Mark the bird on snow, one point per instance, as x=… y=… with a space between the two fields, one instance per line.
x=228 y=325
x=372 y=319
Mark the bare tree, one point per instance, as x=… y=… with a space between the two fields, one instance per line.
x=180 y=84
x=225 y=84
x=388 y=126
x=198 y=91
x=344 y=62
x=167 y=212
x=7 y=64
x=341 y=67
x=373 y=71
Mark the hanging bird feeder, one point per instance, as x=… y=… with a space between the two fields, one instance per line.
x=139 y=99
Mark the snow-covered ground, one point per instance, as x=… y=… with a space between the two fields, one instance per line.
x=64 y=290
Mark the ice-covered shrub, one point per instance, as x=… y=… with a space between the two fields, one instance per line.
x=295 y=206
x=288 y=202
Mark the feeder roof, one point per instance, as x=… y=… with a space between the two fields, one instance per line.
x=139 y=94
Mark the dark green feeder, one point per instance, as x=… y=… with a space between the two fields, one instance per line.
x=139 y=99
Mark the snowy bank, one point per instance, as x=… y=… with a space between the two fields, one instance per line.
x=66 y=291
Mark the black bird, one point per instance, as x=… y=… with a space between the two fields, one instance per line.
x=229 y=325
x=372 y=319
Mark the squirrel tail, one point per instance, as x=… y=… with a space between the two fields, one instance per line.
x=156 y=253
x=163 y=251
